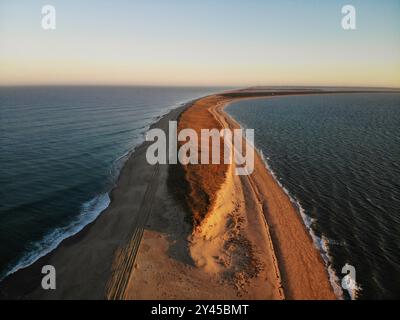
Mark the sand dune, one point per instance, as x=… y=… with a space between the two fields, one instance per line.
x=243 y=234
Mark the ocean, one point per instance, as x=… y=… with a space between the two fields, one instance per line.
x=338 y=158
x=61 y=149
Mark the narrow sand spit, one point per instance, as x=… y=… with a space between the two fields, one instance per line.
x=228 y=256
x=242 y=237
x=187 y=232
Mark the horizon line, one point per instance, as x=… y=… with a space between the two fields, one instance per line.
x=202 y=86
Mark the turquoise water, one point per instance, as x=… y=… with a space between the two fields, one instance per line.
x=338 y=156
x=61 y=149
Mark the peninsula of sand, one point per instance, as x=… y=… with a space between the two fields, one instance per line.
x=187 y=232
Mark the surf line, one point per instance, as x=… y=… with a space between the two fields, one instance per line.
x=188 y=153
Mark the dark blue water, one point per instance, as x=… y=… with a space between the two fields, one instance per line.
x=61 y=149
x=339 y=158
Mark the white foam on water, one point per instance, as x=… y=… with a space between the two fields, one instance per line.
x=89 y=212
x=321 y=243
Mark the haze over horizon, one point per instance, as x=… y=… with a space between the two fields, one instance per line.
x=208 y=43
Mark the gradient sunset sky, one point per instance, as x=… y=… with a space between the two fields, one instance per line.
x=208 y=42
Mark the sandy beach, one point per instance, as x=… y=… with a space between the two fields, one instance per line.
x=187 y=232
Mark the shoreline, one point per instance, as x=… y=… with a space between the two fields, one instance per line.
x=25 y=282
x=114 y=241
x=298 y=280
x=25 y=261
x=319 y=243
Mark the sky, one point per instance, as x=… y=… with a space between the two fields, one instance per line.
x=207 y=42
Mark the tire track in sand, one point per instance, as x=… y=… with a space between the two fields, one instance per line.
x=126 y=256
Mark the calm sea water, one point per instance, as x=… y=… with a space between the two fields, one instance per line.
x=61 y=149
x=338 y=156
